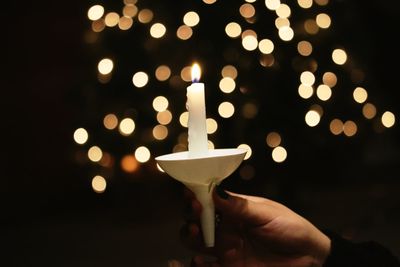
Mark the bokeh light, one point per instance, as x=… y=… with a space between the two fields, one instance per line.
x=226 y=109
x=95 y=153
x=388 y=119
x=163 y=72
x=105 y=66
x=279 y=154
x=99 y=184
x=248 y=149
x=95 y=12
x=360 y=95
x=142 y=154
x=81 y=136
x=369 y=110
x=157 y=30
x=129 y=163
x=339 y=56
x=126 y=126
x=110 y=121
x=312 y=118
x=140 y=79
x=273 y=139
x=191 y=19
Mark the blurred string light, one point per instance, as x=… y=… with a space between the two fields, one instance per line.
x=317 y=85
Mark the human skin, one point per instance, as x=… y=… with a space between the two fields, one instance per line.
x=256 y=232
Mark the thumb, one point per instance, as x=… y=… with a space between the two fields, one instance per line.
x=243 y=208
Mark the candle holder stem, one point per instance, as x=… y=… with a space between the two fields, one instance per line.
x=207 y=217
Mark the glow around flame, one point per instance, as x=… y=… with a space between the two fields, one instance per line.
x=196 y=73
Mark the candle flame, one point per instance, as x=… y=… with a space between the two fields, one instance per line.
x=196 y=73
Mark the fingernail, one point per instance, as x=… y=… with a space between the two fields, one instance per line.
x=221 y=192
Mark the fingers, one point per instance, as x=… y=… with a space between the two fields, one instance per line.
x=246 y=209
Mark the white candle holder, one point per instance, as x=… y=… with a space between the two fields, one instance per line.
x=200 y=175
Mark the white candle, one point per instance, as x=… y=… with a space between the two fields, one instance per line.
x=197 y=128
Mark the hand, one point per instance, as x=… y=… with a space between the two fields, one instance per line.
x=257 y=232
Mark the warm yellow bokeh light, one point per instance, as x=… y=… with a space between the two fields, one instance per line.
x=160 y=103
x=305 y=91
x=329 y=78
x=249 y=110
x=145 y=15
x=266 y=46
x=99 y=184
x=226 y=109
x=157 y=30
x=160 y=132
x=281 y=22
x=186 y=73
x=129 y=163
x=369 y=111
x=227 y=85
x=209 y=2
x=305 y=3
x=272 y=4
x=273 y=139
x=321 y=2
x=233 y=29
x=110 y=121
x=247 y=10
x=95 y=153
x=324 y=92
x=140 y=79
x=336 y=126
x=323 y=20
x=388 y=119
x=125 y=23
x=310 y=26
x=98 y=25
x=142 y=154
x=191 y=19
x=349 y=128
x=307 y=78
x=105 y=66
x=111 y=19
x=130 y=10
x=162 y=73
x=126 y=126
x=229 y=71
x=183 y=119
x=279 y=154
x=248 y=149
x=283 y=11
x=212 y=125
x=164 y=117
x=339 y=56
x=304 y=48
x=184 y=32
x=81 y=136
x=95 y=12
x=312 y=118
x=360 y=95
x=267 y=60
x=250 y=42
x=286 y=33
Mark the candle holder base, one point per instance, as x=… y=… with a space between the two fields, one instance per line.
x=200 y=175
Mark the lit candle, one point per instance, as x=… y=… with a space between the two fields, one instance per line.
x=197 y=129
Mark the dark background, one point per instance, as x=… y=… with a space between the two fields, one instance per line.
x=50 y=215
